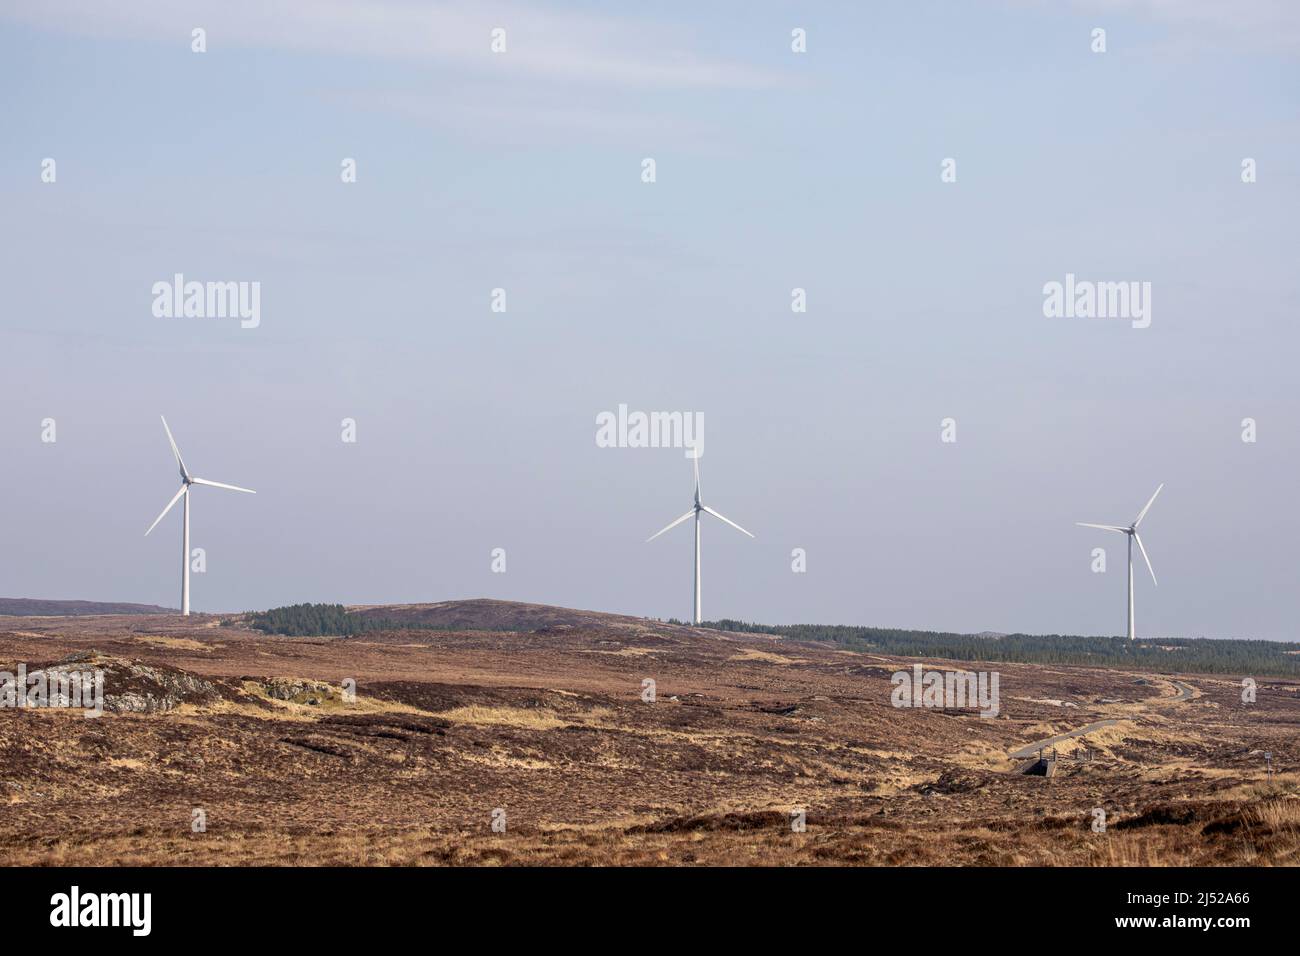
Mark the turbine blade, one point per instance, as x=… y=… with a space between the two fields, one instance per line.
x=1148 y=560
x=1103 y=527
x=217 y=484
x=728 y=520
x=165 y=510
x=695 y=459
x=175 y=451
x=1143 y=513
x=673 y=525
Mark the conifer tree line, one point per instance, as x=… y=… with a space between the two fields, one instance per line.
x=1191 y=655
x=1194 y=655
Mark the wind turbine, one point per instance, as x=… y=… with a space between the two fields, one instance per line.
x=187 y=480
x=1132 y=532
x=695 y=511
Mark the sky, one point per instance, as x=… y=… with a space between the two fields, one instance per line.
x=774 y=170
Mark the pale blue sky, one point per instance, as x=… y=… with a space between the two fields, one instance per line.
x=775 y=170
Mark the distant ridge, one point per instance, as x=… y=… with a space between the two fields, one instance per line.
x=488 y=614
x=36 y=607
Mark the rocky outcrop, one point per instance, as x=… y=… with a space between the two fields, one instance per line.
x=297 y=690
x=131 y=686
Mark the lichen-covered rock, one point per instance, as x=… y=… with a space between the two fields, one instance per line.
x=298 y=691
x=131 y=686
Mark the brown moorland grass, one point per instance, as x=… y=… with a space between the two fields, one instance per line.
x=550 y=726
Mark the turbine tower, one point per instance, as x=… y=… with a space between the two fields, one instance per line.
x=187 y=481
x=695 y=511
x=1132 y=532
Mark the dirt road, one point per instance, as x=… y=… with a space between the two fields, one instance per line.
x=1183 y=692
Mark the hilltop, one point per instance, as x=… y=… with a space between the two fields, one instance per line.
x=37 y=607
x=1194 y=655
x=487 y=614
x=478 y=614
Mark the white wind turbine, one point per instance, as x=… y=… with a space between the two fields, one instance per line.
x=186 y=481
x=1132 y=532
x=696 y=512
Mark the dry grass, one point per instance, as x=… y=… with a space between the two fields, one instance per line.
x=532 y=719
x=752 y=654
x=1134 y=850
x=549 y=726
x=181 y=643
x=1281 y=815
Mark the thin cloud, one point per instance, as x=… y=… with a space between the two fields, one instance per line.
x=531 y=119
x=542 y=42
x=1251 y=24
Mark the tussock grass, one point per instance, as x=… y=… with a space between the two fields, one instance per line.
x=180 y=643
x=1281 y=815
x=538 y=719
x=751 y=654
